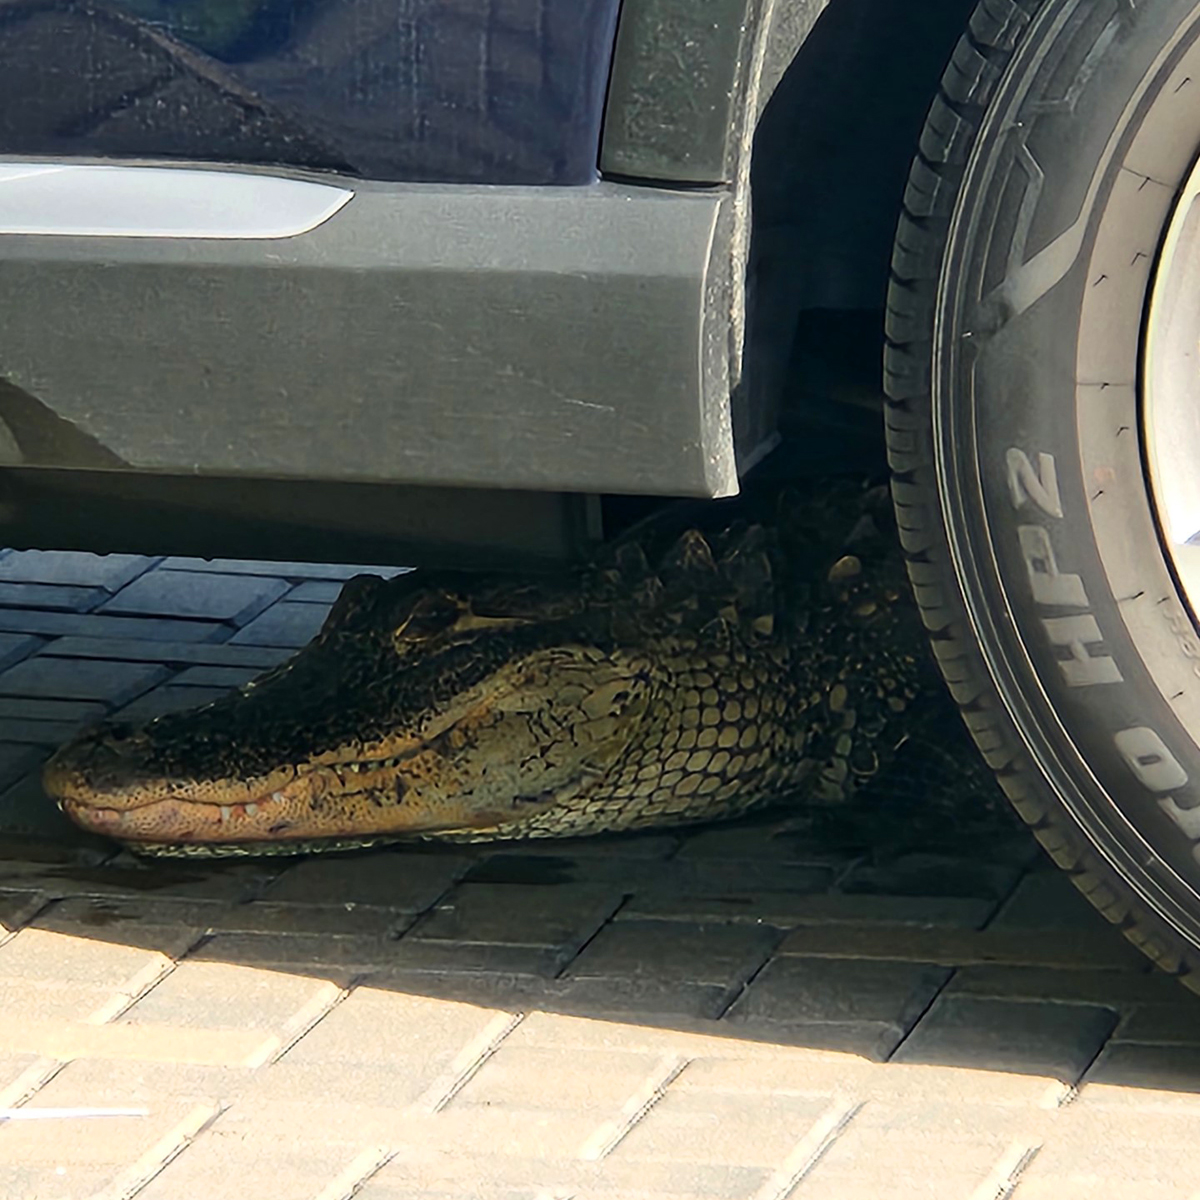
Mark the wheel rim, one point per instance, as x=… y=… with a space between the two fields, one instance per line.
x=1171 y=392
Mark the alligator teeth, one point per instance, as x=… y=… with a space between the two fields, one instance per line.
x=277 y=796
x=251 y=809
x=356 y=767
x=226 y=813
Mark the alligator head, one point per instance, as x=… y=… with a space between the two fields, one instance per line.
x=416 y=709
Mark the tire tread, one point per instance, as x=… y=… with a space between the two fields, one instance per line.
x=994 y=33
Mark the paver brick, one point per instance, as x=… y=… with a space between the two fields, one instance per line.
x=330 y=956
x=1155 y=1068
x=283 y=624
x=50 y=734
x=220 y=995
x=282 y=570
x=634 y=873
x=654 y=1000
x=17 y=907
x=93 y=625
x=125 y=877
x=796 y=990
x=105 y=1140
x=823 y=909
x=17 y=760
x=1102 y=948
x=28 y=999
x=212 y=678
x=346 y=920
x=1048 y=900
x=534 y=1078
x=698 y=1126
x=415 y=1038
x=1176 y=1024
x=44 y=956
x=71 y=679
x=1069 y=985
x=173 y=653
x=516 y=915
x=53 y=1180
x=1060 y=1040
x=52 y=597
x=398 y=879
x=233 y=598
x=109 y=571
x=670 y=951
x=219 y=1166
x=132 y=1083
x=17 y=646
x=315 y=592
x=64 y=712
x=918 y=874
x=168 y=698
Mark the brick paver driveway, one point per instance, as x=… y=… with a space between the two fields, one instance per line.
x=760 y=1012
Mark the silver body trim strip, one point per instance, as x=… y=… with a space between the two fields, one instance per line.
x=94 y=200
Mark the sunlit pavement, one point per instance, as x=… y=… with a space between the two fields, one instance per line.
x=755 y=1012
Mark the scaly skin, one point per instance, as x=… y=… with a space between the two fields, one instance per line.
x=686 y=676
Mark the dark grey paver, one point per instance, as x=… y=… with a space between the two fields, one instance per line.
x=38 y=733
x=16 y=646
x=160 y=629
x=71 y=712
x=17 y=760
x=1047 y=900
x=478 y=957
x=233 y=598
x=283 y=624
x=280 y=570
x=1077 y=986
x=786 y=908
x=223 y=678
x=109 y=571
x=126 y=914
x=78 y=679
x=1173 y=1025
x=765 y=841
x=935 y=874
x=639 y=998
x=316 y=591
x=677 y=952
x=700 y=876
x=300 y=951
x=659 y=845
x=789 y=991
x=998 y=1035
x=49 y=596
x=174 y=653
x=166 y=699
x=1103 y=948
x=510 y=914
x=1136 y=1065
x=403 y=880
x=19 y=907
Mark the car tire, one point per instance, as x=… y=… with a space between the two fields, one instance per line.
x=1042 y=342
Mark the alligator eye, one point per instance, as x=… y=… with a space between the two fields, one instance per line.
x=432 y=613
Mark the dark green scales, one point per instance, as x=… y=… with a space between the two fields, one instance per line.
x=713 y=660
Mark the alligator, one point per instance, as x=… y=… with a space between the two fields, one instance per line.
x=710 y=661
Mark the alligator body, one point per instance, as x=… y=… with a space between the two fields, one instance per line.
x=694 y=671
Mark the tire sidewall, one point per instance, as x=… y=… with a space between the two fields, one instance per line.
x=1037 y=353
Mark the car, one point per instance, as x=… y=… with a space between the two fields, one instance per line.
x=482 y=281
